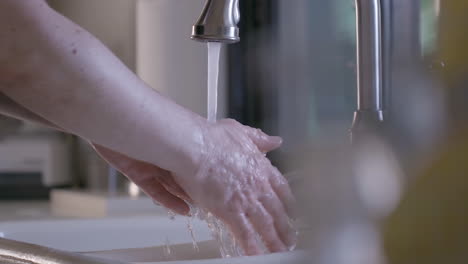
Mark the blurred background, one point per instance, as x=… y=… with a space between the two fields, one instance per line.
x=294 y=75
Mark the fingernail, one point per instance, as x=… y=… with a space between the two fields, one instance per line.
x=276 y=140
x=293 y=236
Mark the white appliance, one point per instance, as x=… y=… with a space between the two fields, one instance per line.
x=31 y=165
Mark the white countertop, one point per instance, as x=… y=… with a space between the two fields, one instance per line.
x=25 y=210
x=42 y=209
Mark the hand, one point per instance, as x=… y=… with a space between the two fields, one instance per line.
x=238 y=184
x=154 y=181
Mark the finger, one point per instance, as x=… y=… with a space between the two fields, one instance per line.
x=173 y=187
x=281 y=187
x=139 y=171
x=264 y=142
x=143 y=175
x=165 y=178
x=263 y=223
x=281 y=220
x=157 y=192
x=244 y=233
x=176 y=190
x=118 y=160
x=154 y=189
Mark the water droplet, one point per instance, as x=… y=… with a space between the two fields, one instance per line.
x=167 y=249
x=192 y=235
x=171 y=215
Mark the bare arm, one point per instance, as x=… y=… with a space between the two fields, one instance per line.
x=10 y=108
x=154 y=181
x=62 y=73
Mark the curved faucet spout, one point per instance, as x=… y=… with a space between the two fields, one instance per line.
x=218 y=22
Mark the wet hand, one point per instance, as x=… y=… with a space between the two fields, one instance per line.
x=154 y=181
x=239 y=185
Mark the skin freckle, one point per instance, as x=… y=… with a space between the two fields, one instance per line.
x=74 y=51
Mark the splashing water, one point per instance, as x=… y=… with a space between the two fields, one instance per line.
x=171 y=215
x=294 y=226
x=167 y=249
x=192 y=234
x=214 y=50
x=228 y=246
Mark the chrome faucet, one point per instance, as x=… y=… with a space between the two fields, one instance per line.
x=369 y=113
x=218 y=22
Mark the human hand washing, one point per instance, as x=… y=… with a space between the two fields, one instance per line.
x=234 y=181
x=174 y=155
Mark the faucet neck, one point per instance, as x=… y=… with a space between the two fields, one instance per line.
x=369 y=54
x=369 y=113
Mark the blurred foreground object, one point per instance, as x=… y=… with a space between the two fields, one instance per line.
x=344 y=192
x=431 y=223
x=14 y=252
x=453 y=54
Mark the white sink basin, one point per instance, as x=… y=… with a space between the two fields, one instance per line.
x=105 y=234
x=134 y=240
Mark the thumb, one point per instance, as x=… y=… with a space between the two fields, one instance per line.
x=264 y=142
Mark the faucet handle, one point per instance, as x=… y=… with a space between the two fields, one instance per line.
x=218 y=22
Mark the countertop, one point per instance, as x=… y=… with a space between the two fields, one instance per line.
x=42 y=209
x=25 y=210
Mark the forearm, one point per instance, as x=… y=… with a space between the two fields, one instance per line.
x=72 y=80
x=10 y=108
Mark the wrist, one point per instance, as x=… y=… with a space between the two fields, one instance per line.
x=191 y=151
